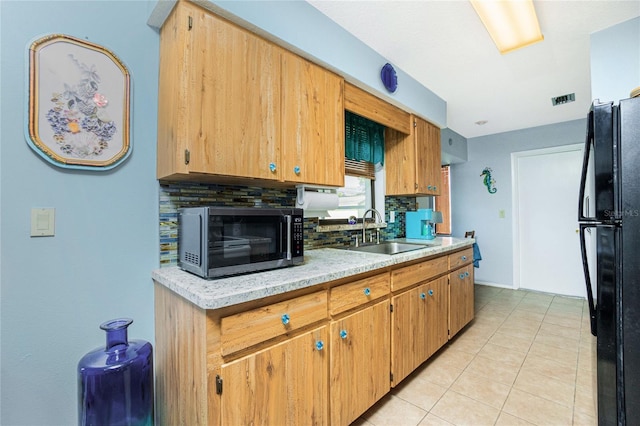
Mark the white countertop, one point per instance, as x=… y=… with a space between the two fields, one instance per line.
x=320 y=266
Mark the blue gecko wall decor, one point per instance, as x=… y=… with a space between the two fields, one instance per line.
x=488 y=180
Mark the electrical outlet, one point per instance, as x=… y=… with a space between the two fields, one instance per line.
x=392 y=216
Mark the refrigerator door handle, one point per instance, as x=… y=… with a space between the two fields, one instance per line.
x=587 y=276
x=585 y=168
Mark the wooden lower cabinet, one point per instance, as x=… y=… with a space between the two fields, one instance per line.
x=315 y=357
x=360 y=359
x=461 y=299
x=282 y=385
x=419 y=326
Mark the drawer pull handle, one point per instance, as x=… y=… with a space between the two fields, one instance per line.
x=430 y=292
x=319 y=345
x=466 y=273
x=461 y=276
x=285 y=319
x=367 y=291
x=343 y=334
x=272 y=167
x=464 y=257
x=296 y=170
x=423 y=296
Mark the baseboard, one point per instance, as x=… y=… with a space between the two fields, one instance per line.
x=490 y=284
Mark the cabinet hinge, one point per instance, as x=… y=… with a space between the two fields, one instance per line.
x=391 y=377
x=415 y=123
x=190 y=25
x=218 y=384
x=187 y=156
x=391 y=307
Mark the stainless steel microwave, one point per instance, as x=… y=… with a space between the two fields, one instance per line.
x=221 y=241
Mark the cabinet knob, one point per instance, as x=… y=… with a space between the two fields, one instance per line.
x=367 y=291
x=272 y=167
x=430 y=292
x=296 y=170
x=461 y=276
x=466 y=273
x=319 y=345
x=343 y=334
x=435 y=188
x=423 y=296
x=285 y=319
x=429 y=187
x=464 y=258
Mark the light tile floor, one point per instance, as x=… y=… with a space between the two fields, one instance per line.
x=527 y=358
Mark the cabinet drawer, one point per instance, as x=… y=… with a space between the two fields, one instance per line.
x=248 y=328
x=413 y=274
x=357 y=293
x=460 y=258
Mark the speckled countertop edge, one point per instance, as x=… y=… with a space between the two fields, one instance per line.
x=320 y=266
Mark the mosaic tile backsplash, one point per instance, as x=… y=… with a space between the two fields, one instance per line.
x=175 y=195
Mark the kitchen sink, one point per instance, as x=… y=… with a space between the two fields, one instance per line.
x=388 y=247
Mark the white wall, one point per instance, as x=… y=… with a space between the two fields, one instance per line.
x=56 y=291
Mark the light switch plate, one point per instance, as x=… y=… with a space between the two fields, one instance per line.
x=42 y=222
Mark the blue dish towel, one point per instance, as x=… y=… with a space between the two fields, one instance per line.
x=477 y=257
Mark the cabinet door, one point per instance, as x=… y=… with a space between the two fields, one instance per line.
x=234 y=99
x=409 y=339
x=400 y=163
x=360 y=359
x=285 y=384
x=312 y=123
x=419 y=326
x=427 y=140
x=437 y=315
x=461 y=299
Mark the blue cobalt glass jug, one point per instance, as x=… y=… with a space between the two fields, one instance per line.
x=115 y=383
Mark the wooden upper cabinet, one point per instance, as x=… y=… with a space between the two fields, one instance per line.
x=399 y=163
x=234 y=105
x=427 y=140
x=219 y=98
x=312 y=123
x=412 y=162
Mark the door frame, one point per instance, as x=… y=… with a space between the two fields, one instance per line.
x=515 y=197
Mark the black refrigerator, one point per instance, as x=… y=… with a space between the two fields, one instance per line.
x=609 y=215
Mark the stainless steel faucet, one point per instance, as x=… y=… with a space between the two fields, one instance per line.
x=364 y=232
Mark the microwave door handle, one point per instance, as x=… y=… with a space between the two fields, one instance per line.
x=288 y=235
x=587 y=277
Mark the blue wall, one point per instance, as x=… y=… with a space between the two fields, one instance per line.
x=615 y=71
x=56 y=291
x=473 y=207
x=615 y=61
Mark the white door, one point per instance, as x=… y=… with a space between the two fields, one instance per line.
x=547 y=242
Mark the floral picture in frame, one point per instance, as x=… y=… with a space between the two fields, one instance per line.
x=79 y=95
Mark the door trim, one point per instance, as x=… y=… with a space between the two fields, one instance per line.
x=515 y=198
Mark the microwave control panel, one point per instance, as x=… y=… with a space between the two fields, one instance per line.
x=298 y=236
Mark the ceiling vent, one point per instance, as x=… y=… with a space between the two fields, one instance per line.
x=564 y=99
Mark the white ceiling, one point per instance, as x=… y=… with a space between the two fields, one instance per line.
x=444 y=46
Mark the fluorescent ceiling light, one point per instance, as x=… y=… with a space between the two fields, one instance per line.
x=512 y=24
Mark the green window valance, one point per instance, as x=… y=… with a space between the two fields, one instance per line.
x=364 y=139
